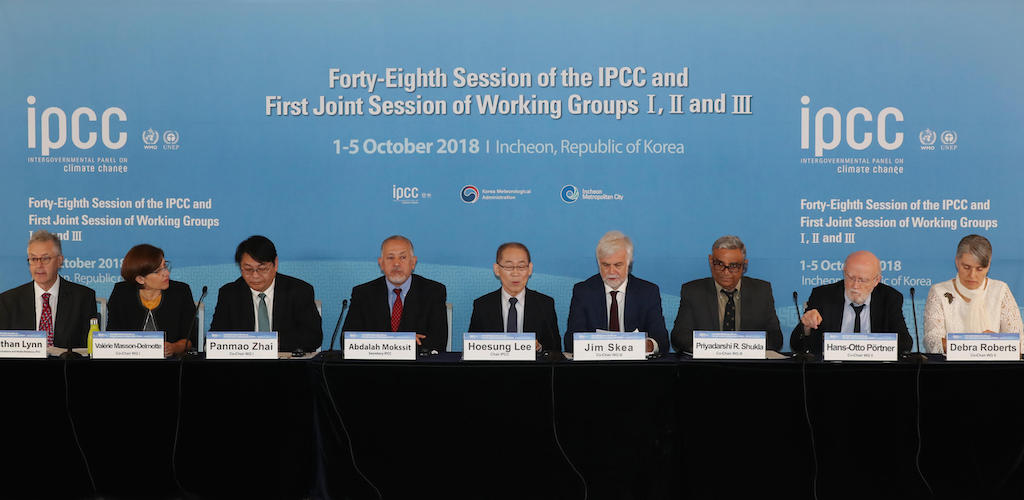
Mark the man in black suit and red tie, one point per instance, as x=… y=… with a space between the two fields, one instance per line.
x=513 y=307
x=264 y=300
x=50 y=303
x=615 y=300
x=859 y=303
x=400 y=301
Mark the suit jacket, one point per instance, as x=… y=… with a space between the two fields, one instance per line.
x=423 y=311
x=588 y=310
x=295 y=318
x=539 y=317
x=829 y=300
x=174 y=316
x=76 y=305
x=698 y=310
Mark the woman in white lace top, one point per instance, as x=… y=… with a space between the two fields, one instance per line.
x=971 y=302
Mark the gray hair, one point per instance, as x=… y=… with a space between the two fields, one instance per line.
x=730 y=242
x=397 y=237
x=44 y=236
x=976 y=245
x=614 y=241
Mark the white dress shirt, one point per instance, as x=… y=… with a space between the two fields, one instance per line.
x=520 y=309
x=849 y=316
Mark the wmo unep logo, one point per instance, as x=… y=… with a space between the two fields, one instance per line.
x=927 y=137
x=470 y=194
x=570 y=194
x=150 y=136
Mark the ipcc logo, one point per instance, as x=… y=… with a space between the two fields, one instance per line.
x=851 y=120
x=54 y=124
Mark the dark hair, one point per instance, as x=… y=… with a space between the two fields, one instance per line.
x=140 y=261
x=260 y=248
x=511 y=244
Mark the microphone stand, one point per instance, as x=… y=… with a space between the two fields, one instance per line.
x=805 y=355
x=915 y=356
x=330 y=353
x=192 y=351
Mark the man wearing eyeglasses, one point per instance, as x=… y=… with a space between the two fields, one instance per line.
x=727 y=301
x=615 y=300
x=513 y=308
x=264 y=300
x=859 y=303
x=49 y=302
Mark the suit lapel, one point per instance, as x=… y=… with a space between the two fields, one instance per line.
x=280 y=296
x=602 y=303
x=64 y=304
x=711 y=308
x=630 y=310
x=529 y=319
x=877 y=311
x=26 y=313
x=409 y=308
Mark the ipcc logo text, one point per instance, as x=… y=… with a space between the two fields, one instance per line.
x=53 y=136
x=851 y=121
x=407 y=195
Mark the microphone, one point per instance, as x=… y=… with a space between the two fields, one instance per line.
x=192 y=351
x=803 y=355
x=916 y=356
x=331 y=353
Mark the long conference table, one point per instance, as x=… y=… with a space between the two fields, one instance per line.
x=439 y=427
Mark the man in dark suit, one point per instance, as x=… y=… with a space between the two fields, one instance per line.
x=264 y=300
x=49 y=302
x=400 y=301
x=615 y=300
x=513 y=307
x=727 y=301
x=859 y=303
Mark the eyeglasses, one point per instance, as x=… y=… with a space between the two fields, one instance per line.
x=261 y=269
x=44 y=260
x=735 y=267
x=521 y=268
x=165 y=267
x=860 y=281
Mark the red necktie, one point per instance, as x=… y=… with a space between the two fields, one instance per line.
x=46 y=319
x=396 y=310
x=613 y=323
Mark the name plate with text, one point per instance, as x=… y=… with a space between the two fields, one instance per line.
x=982 y=346
x=861 y=347
x=128 y=345
x=499 y=347
x=608 y=346
x=728 y=345
x=380 y=345
x=241 y=345
x=23 y=344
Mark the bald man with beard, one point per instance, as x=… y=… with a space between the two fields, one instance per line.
x=860 y=303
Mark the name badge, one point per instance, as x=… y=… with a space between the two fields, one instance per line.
x=728 y=345
x=128 y=345
x=620 y=346
x=499 y=347
x=861 y=347
x=241 y=345
x=22 y=344
x=982 y=346
x=380 y=345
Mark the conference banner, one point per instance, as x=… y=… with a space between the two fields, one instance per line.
x=808 y=129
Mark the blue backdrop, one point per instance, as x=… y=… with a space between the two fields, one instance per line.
x=152 y=103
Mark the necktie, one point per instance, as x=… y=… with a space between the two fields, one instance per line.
x=46 y=319
x=729 y=319
x=856 y=317
x=613 y=323
x=396 y=310
x=512 y=325
x=262 y=315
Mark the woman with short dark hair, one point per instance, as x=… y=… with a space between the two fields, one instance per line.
x=148 y=300
x=971 y=302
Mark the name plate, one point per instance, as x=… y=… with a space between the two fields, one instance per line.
x=982 y=346
x=728 y=345
x=22 y=344
x=861 y=347
x=609 y=346
x=380 y=345
x=499 y=347
x=241 y=345
x=128 y=345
